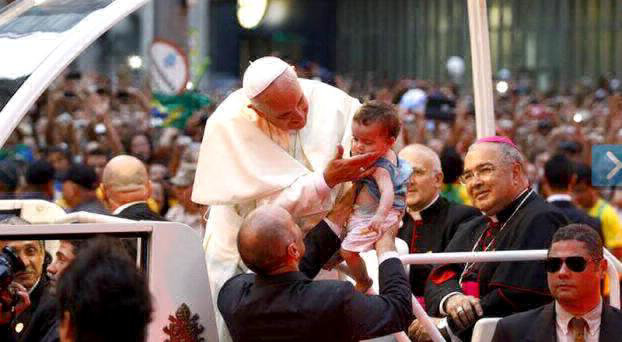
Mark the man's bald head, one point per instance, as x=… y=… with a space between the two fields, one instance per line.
x=283 y=102
x=415 y=153
x=125 y=173
x=427 y=179
x=265 y=239
x=124 y=180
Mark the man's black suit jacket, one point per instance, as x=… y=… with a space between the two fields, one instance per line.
x=140 y=211
x=292 y=307
x=538 y=325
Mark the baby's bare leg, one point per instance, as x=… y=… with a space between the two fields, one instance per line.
x=359 y=271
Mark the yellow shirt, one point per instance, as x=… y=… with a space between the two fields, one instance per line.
x=612 y=227
x=466 y=199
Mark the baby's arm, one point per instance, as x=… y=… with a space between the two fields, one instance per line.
x=383 y=179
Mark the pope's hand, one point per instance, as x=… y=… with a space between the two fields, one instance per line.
x=341 y=170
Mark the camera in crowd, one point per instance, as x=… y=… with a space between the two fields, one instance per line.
x=10 y=264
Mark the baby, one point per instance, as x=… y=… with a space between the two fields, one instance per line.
x=380 y=200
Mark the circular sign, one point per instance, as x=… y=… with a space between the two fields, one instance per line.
x=169 y=68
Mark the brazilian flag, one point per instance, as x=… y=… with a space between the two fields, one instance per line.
x=177 y=109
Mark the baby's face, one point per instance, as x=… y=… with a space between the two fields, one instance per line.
x=370 y=139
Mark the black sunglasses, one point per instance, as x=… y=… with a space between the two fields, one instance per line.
x=574 y=263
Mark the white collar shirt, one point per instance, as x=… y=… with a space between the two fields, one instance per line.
x=559 y=197
x=121 y=208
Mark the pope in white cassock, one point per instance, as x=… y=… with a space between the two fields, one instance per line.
x=273 y=141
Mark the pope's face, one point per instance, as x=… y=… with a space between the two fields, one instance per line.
x=284 y=105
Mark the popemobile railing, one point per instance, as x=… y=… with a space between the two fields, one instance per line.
x=614 y=266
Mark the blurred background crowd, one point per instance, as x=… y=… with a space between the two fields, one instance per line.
x=61 y=147
x=556 y=84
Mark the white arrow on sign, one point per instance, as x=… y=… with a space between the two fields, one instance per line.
x=615 y=161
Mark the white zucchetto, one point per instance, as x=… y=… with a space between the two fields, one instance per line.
x=261 y=73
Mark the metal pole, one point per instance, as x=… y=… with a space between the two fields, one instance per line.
x=482 y=74
x=464 y=257
x=147 y=19
x=197 y=37
x=423 y=317
x=614 y=285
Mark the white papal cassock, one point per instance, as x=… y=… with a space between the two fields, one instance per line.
x=246 y=162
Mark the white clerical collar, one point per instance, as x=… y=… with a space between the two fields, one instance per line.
x=416 y=215
x=431 y=203
x=123 y=207
x=592 y=318
x=558 y=198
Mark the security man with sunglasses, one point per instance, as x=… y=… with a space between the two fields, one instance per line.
x=575 y=267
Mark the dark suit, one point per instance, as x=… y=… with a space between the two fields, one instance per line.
x=93 y=206
x=292 y=307
x=140 y=211
x=439 y=224
x=576 y=215
x=538 y=325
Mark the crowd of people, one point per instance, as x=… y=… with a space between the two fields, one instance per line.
x=264 y=176
x=59 y=151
